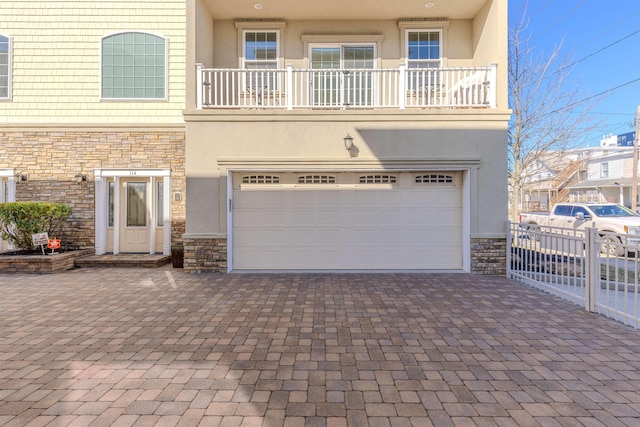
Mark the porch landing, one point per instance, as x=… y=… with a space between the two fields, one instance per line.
x=124 y=261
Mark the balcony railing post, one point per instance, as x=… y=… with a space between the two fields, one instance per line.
x=199 y=86
x=289 y=87
x=402 y=87
x=493 y=76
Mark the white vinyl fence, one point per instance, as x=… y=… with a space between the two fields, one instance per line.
x=596 y=270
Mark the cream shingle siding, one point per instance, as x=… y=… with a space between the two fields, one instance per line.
x=56 y=59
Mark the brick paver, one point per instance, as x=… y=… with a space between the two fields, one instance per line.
x=133 y=347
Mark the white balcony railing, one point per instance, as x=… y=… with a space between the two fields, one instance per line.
x=399 y=88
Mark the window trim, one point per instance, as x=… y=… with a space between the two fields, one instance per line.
x=243 y=57
x=244 y=27
x=9 y=96
x=440 y=26
x=407 y=61
x=166 y=68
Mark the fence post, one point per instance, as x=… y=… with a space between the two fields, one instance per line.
x=592 y=268
x=508 y=249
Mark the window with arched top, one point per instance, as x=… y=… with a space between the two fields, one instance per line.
x=5 y=67
x=134 y=66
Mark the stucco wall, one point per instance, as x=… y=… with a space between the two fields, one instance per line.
x=56 y=59
x=457 y=42
x=316 y=141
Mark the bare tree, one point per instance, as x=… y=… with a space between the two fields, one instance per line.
x=547 y=113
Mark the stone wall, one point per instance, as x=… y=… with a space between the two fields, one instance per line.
x=51 y=159
x=205 y=254
x=41 y=264
x=489 y=256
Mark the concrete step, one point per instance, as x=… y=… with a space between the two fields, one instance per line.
x=123 y=261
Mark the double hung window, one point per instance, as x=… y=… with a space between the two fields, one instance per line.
x=424 y=54
x=423 y=48
x=260 y=50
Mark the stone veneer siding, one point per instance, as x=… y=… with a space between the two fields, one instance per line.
x=52 y=158
x=489 y=256
x=41 y=264
x=205 y=254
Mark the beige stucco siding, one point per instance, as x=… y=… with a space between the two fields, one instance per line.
x=408 y=141
x=56 y=59
x=464 y=44
x=457 y=47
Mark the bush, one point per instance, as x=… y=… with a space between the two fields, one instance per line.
x=19 y=220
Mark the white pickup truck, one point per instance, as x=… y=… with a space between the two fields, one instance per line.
x=606 y=217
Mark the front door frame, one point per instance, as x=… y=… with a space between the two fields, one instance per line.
x=102 y=177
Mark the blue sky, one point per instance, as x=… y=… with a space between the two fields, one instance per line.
x=603 y=36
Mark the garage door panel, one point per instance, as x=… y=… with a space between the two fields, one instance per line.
x=261 y=218
x=434 y=218
x=348 y=227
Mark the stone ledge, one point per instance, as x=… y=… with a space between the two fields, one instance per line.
x=41 y=264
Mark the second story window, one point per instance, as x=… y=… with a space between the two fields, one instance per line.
x=134 y=66
x=5 y=67
x=423 y=48
x=260 y=50
x=604 y=170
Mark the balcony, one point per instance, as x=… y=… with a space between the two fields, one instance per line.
x=346 y=89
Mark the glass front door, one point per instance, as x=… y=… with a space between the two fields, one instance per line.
x=135 y=217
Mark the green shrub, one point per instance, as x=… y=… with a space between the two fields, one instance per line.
x=19 y=220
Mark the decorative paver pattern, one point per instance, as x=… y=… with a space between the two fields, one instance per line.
x=136 y=347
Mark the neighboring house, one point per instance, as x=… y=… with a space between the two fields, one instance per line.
x=608 y=172
x=609 y=178
x=548 y=178
x=91 y=100
x=346 y=135
x=589 y=174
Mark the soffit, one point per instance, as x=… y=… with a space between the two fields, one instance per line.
x=342 y=9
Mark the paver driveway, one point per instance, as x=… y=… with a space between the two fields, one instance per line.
x=161 y=347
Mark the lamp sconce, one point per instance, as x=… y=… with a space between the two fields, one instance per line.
x=22 y=177
x=348 y=142
x=80 y=177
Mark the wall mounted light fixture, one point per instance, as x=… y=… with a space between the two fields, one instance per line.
x=80 y=177
x=22 y=176
x=348 y=142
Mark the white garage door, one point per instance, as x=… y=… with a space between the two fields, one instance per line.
x=347 y=221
